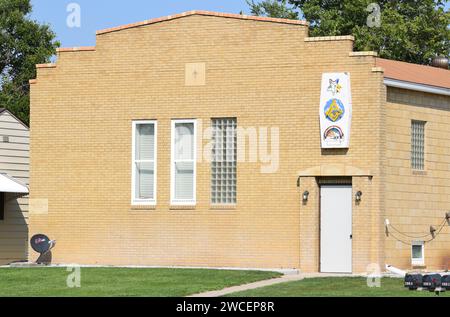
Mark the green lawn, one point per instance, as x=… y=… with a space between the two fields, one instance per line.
x=122 y=282
x=335 y=286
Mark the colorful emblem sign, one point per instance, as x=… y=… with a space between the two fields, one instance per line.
x=335 y=110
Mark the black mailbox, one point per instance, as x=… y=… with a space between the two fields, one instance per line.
x=445 y=282
x=432 y=281
x=413 y=281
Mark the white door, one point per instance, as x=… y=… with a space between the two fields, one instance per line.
x=336 y=229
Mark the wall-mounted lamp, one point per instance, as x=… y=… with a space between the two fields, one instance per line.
x=358 y=196
x=305 y=196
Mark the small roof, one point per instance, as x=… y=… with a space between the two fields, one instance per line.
x=2 y=110
x=9 y=184
x=414 y=73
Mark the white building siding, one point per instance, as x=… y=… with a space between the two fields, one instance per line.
x=14 y=161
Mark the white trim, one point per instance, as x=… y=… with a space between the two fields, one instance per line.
x=417 y=87
x=17 y=119
x=418 y=261
x=9 y=184
x=173 y=201
x=143 y=202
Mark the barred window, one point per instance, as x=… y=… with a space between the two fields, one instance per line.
x=224 y=161
x=418 y=145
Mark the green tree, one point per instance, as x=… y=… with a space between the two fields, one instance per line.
x=23 y=44
x=273 y=9
x=408 y=30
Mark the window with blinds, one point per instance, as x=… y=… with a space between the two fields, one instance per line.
x=418 y=145
x=183 y=165
x=144 y=162
x=224 y=161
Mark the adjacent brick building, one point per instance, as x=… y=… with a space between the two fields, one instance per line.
x=120 y=135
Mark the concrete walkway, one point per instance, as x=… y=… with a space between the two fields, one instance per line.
x=283 y=279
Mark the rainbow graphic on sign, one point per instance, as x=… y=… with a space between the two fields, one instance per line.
x=333 y=133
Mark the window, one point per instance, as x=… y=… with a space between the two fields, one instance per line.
x=224 y=161
x=144 y=163
x=2 y=206
x=183 y=162
x=417 y=253
x=418 y=145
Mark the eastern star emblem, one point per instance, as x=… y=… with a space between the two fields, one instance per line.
x=334 y=87
x=334 y=110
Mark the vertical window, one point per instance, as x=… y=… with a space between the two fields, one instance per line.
x=183 y=162
x=224 y=161
x=418 y=145
x=417 y=253
x=144 y=162
x=2 y=206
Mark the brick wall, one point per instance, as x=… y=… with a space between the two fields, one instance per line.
x=266 y=75
x=415 y=200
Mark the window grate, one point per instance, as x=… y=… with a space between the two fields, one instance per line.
x=224 y=161
x=418 y=145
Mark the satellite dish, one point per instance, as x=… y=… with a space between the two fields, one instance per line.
x=41 y=243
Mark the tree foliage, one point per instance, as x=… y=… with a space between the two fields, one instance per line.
x=274 y=9
x=23 y=44
x=409 y=30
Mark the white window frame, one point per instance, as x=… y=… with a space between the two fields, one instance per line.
x=418 y=261
x=183 y=202
x=135 y=201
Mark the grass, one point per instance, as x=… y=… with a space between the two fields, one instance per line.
x=335 y=287
x=109 y=282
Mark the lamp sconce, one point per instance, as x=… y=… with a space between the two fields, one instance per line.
x=305 y=196
x=358 y=196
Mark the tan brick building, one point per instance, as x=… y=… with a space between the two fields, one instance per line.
x=120 y=137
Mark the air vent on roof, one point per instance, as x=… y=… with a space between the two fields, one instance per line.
x=440 y=62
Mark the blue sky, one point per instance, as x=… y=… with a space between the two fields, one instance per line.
x=101 y=14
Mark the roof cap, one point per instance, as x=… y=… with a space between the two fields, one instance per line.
x=204 y=13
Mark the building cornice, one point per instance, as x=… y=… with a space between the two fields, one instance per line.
x=416 y=87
